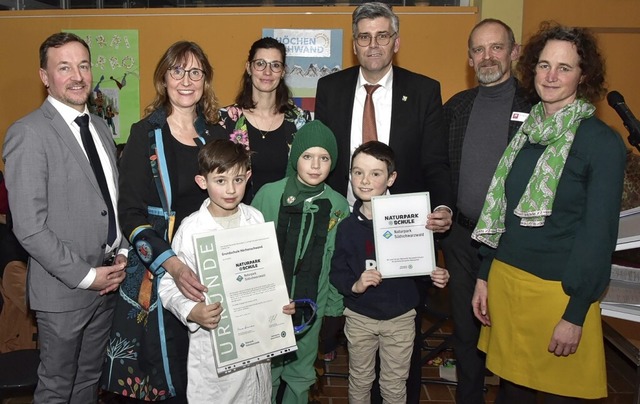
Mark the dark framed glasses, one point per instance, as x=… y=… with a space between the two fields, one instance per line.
x=261 y=64
x=178 y=72
x=382 y=38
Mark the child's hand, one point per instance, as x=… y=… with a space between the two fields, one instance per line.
x=207 y=315
x=289 y=309
x=440 y=277
x=370 y=277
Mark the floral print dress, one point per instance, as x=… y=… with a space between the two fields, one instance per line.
x=270 y=149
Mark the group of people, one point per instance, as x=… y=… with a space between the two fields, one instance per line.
x=525 y=181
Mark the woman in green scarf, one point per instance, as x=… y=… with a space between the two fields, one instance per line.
x=548 y=228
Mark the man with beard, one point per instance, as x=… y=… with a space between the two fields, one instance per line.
x=480 y=122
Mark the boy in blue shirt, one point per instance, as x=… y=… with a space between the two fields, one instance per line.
x=378 y=315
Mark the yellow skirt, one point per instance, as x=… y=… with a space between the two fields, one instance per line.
x=524 y=311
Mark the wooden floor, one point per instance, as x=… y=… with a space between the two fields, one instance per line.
x=333 y=390
x=621 y=373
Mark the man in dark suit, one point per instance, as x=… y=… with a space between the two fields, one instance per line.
x=480 y=122
x=61 y=176
x=408 y=117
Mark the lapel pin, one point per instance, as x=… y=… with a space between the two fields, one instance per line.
x=404 y=98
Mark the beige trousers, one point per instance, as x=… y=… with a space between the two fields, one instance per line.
x=394 y=340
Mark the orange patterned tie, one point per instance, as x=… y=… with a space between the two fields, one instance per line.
x=369 y=131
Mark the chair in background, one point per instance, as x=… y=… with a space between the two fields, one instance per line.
x=18 y=372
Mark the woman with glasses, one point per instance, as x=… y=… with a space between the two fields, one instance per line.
x=264 y=118
x=147 y=351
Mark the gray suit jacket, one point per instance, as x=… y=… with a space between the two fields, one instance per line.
x=58 y=211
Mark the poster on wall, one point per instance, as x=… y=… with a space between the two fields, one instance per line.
x=115 y=93
x=311 y=54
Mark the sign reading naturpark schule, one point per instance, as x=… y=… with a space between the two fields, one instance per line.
x=241 y=267
x=404 y=247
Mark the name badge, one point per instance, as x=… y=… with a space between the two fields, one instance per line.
x=519 y=116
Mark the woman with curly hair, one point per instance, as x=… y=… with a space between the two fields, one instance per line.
x=264 y=118
x=548 y=227
x=147 y=351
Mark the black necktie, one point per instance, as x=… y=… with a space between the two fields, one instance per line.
x=94 y=159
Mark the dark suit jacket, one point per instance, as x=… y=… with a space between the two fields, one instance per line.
x=417 y=133
x=59 y=214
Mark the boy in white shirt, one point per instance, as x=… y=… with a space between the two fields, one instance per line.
x=224 y=169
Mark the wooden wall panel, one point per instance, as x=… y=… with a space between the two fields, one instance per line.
x=433 y=42
x=616 y=23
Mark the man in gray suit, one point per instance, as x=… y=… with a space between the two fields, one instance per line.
x=61 y=177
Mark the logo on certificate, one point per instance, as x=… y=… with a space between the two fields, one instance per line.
x=239 y=278
x=387 y=234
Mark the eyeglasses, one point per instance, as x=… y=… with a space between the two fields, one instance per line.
x=382 y=39
x=178 y=72
x=305 y=314
x=261 y=64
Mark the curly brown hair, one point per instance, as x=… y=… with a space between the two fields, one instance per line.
x=592 y=86
x=179 y=54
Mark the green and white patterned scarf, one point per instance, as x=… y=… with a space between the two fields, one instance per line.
x=557 y=133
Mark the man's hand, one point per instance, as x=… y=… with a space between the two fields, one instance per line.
x=565 y=339
x=479 y=302
x=440 y=277
x=109 y=278
x=440 y=220
x=206 y=315
x=186 y=280
x=370 y=277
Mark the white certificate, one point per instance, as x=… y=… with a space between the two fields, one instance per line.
x=404 y=247
x=242 y=269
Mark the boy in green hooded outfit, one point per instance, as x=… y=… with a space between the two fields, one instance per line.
x=306 y=212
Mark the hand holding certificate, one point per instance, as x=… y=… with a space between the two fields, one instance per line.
x=404 y=247
x=242 y=269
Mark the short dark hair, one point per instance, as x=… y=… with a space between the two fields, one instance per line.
x=373 y=10
x=57 y=40
x=486 y=21
x=380 y=151
x=222 y=155
x=592 y=64
x=244 y=99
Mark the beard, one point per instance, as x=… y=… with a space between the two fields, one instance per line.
x=491 y=76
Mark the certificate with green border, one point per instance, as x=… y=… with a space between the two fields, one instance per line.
x=241 y=267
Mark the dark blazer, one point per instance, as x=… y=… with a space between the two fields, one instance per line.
x=417 y=132
x=57 y=207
